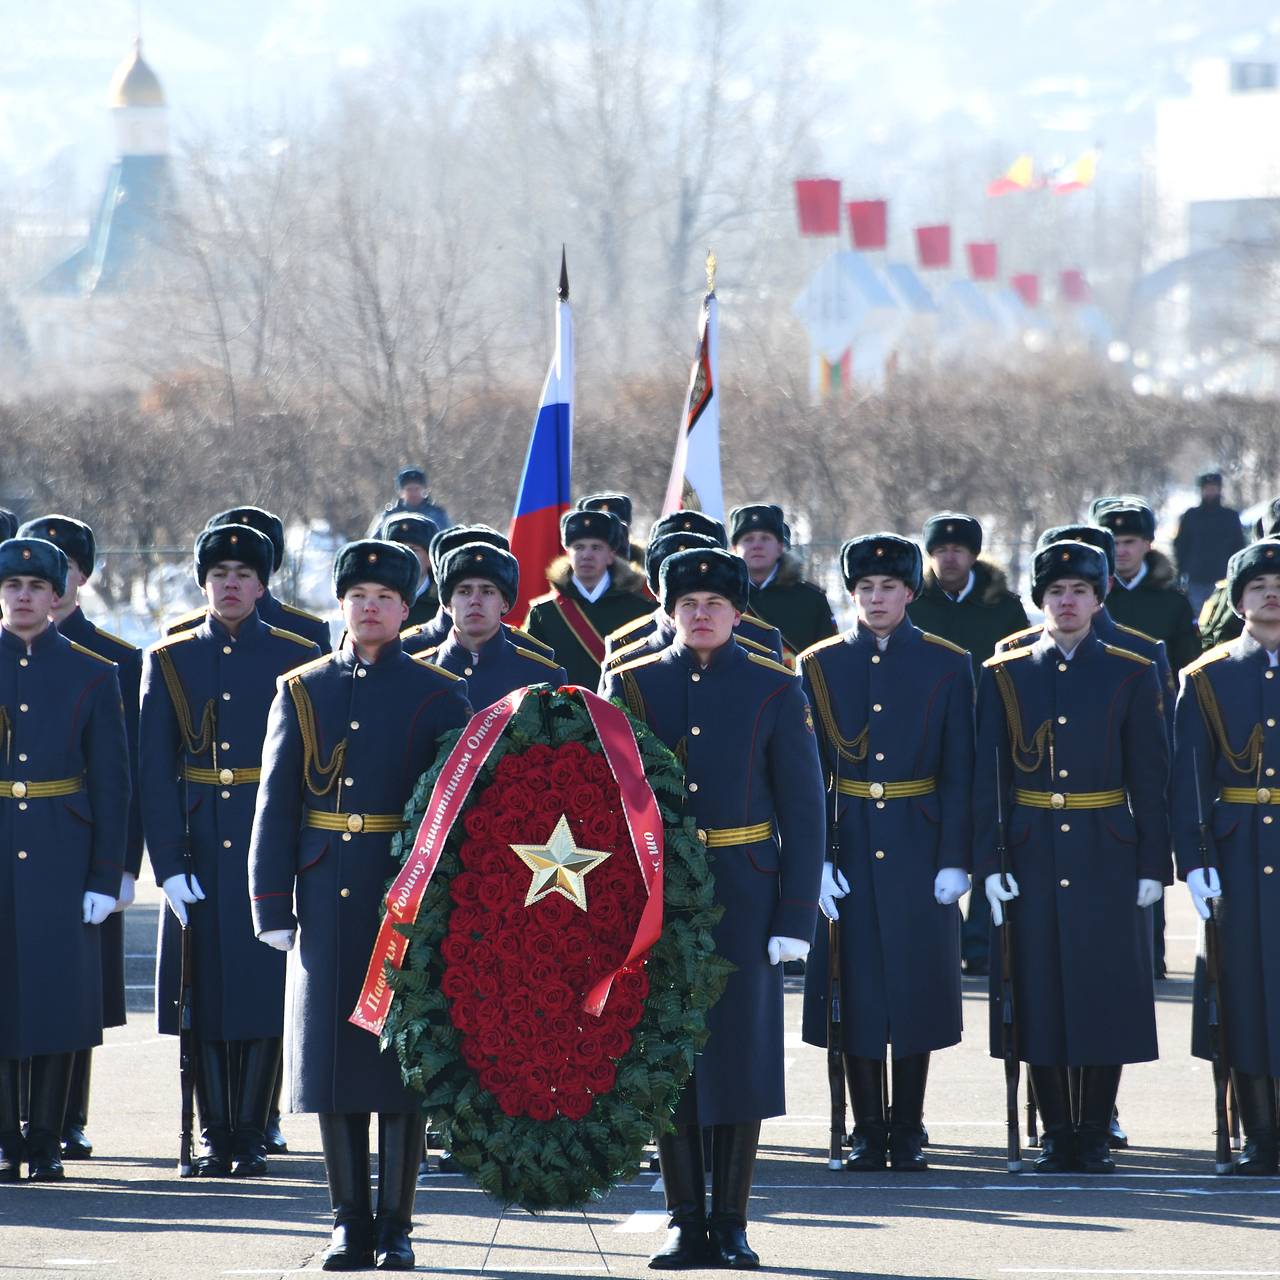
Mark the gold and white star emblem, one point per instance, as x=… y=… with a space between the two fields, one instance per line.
x=559 y=866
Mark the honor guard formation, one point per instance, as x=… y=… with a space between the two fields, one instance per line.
x=852 y=786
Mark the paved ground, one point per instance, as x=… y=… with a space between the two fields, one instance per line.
x=126 y=1214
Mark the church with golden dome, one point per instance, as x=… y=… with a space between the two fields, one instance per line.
x=133 y=218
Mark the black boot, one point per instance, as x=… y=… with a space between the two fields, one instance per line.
x=1098 y=1086
x=276 y=1144
x=906 y=1132
x=399 y=1151
x=1052 y=1092
x=870 y=1130
x=1117 y=1139
x=345 y=1141
x=259 y=1069
x=50 y=1083
x=75 y=1146
x=213 y=1102
x=733 y=1163
x=1256 y=1098
x=12 y=1148
x=684 y=1186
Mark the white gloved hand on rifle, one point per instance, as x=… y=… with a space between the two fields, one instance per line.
x=182 y=890
x=1000 y=889
x=950 y=885
x=1205 y=886
x=834 y=886
x=783 y=949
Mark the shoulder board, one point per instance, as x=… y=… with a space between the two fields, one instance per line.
x=754 y=646
x=416 y=630
x=946 y=644
x=291 y=635
x=89 y=653
x=821 y=644
x=1018 y=638
x=626 y=653
x=431 y=666
x=628 y=627
x=772 y=666
x=757 y=621
x=1216 y=654
x=537 y=657
x=301 y=613
x=1008 y=656
x=641 y=662
x=120 y=640
x=1117 y=652
x=1133 y=631
x=169 y=641
x=184 y=620
x=308 y=666
x=528 y=639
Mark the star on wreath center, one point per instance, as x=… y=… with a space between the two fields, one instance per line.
x=559 y=866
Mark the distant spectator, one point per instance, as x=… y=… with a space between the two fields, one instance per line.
x=411 y=484
x=1208 y=536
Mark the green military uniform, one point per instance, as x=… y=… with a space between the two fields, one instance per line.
x=574 y=626
x=1219 y=622
x=1158 y=609
x=424 y=608
x=979 y=621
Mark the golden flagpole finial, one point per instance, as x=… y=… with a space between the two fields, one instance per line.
x=711 y=272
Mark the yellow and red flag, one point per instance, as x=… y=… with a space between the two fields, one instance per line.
x=1079 y=174
x=1019 y=176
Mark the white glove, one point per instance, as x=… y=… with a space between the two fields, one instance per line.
x=281 y=939
x=834 y=886
x=1149 y=892
x=181 y=895
x=97 y=907
x=997 y=893
x=950 y=885
x=783 y=949
x=1204 y=885
x=128 y=883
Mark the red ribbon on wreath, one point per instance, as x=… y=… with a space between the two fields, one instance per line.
x=449 y=797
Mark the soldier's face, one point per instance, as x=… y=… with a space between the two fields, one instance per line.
x=422 y=557
x=412 y=493
x=25 y=604
x=233 y=591
x=761 y=551
x=951 y=564
x=704 y=620
x=590 y=557
x=477 y=607
x=881 y=602
x=1260 y=601
x=1130 y=551
x=1069 y=606
x=373 y=613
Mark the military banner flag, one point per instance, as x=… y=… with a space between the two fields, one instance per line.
x=695 y=471
x=546 y=482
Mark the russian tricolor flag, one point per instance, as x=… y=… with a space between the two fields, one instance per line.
x=546 y=481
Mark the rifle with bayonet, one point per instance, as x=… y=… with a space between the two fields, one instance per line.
x=835 y=1032
x=1008 y=994
x=1217 y=1009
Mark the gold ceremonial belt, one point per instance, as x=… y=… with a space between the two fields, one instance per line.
x=1068 y=800
x=888 y=790
x=40 y=790
x=1248 y=795
x=722 y=837
x=373 y=823
x=221 y=777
